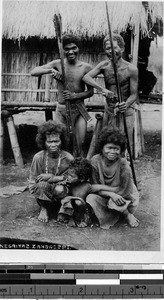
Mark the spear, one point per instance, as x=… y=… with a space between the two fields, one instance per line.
x=119 y=93
x=58 y=29
x=69 y=120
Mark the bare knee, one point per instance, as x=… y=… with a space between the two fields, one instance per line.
x=78 y=203
x=60 y=191
x=90 y=197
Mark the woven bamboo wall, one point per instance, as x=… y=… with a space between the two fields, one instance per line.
x=17 y=62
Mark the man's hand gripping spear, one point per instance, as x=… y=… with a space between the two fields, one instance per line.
x=119 y=93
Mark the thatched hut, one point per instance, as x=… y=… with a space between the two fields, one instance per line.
x=28 y=37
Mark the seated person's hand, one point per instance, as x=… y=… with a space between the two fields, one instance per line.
x=55 y=74
x=55 y=179
x=107 y=93
x=117 y=199
x=122 y=107
x=43 y=177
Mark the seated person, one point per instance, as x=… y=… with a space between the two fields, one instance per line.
x=48 y=166
x=113 y=190
x=52 y=177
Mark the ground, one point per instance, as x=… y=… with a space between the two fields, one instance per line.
x=19 y=213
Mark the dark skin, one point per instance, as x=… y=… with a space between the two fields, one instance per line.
x=103 y=68
x=110 y=155
x=52 y=143
x=74 y=71
x=76 y=88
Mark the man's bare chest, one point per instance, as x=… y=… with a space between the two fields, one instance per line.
x=74 y=73
x=123 y=76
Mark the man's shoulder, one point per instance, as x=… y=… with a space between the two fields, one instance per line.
x=55 y=62
x=103 y=64
x=85 y=65
x=131 y=67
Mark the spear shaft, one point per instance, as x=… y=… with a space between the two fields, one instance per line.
x=69 y=119
x=119 y=93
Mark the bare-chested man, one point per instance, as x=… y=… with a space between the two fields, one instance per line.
x=128 y=79
x=76 y=91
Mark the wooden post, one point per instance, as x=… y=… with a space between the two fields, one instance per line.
x=14 y=142
x=136 y=43
x=1 y=141
x=138 y=130
x=92 y=146
x=48 y=114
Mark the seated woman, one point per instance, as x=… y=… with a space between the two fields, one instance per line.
x=113 y=189
x=48 y=166
x=57 y=179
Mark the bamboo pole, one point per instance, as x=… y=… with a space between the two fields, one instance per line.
x=1 y=141
x=138 y=130
x=14 y=142
x=47 y=89
x=136 y=43
x=48 y=114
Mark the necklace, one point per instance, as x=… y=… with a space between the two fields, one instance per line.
x=106 y=168
x=58 y=164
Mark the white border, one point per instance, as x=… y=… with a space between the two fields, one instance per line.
x=94 y=256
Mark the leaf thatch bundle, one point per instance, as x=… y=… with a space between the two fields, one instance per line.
x=24 y=19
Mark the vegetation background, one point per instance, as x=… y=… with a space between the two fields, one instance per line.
x=156 y=62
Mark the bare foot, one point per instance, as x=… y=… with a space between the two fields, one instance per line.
x=132 y=220
x=62 y=218
x=71 y=223
x=43 y=216
x=82 y=224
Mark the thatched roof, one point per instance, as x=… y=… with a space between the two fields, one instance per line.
x=24 y=19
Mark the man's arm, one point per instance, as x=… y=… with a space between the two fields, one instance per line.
x=50 y=68
x=88 y=78
x=82 y=95
x=133 y=85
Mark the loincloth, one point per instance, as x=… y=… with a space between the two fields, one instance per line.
x=77 y=110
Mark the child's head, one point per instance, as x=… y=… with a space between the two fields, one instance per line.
x=82 y=168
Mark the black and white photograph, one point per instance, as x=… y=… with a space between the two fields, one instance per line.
x=81 y=128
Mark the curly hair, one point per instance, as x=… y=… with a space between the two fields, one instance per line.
x=82 y=167
x=111 y=136
x=70 y=38
x=47 y=128
x=116 y=37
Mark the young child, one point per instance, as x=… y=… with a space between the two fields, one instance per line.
x=72 y=192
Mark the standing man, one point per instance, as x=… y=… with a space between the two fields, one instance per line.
x=76 y=91
x=128 y=79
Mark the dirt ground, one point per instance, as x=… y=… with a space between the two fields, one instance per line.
x=18 y=217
